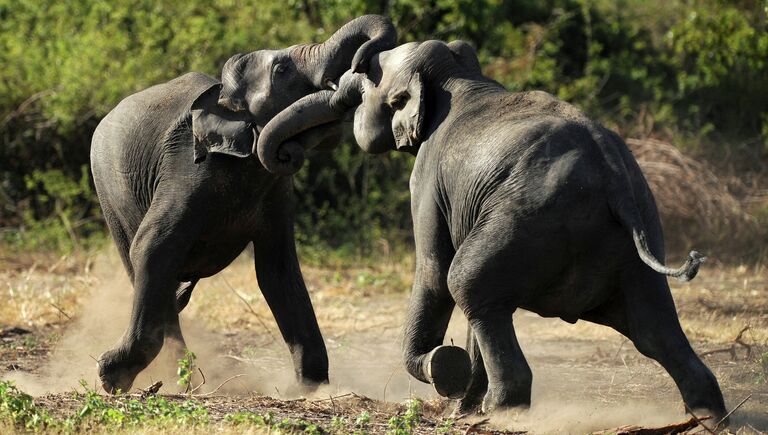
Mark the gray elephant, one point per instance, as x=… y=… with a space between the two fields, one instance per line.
x=183 y=194
x=519 y=201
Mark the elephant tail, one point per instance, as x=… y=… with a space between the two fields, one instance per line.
x=630 y=219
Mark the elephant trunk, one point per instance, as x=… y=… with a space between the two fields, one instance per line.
x=350 y=92
x=353 y=44
x=282 y=156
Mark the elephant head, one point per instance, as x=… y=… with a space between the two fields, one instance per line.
x=392 y=99
x=265 y=82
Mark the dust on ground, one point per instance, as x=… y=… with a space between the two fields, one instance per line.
x=586 y=377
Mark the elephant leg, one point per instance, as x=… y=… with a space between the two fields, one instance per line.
x=156 y=254
x=447 y=368
x=173 y=335
x=479 y=280
x=509 y=376
x=183 y=293
x=655 y=330
x=478 y=384
x=120 y=236
x=281 y=282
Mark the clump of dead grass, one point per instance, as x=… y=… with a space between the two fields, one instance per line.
x=697 y=207
x=38 y=290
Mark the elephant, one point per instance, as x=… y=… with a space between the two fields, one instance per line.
x=519 y=200
x=183 y=194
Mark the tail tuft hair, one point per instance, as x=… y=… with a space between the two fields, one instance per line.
x=691 y=266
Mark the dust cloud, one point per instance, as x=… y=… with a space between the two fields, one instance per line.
x=566 y=391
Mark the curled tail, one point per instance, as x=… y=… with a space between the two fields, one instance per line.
x=686 y=272
x=622 y=202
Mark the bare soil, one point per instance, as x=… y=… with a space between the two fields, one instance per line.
x=586 y=377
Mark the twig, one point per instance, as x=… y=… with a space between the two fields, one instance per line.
x=150 y=390
x=333 y=397
x=384 y=398
x=621 y=346
x=250 y=308
x=475 y=427
x=739 y=340
x=732 y=348
x=733 y=410
x=300 y=399
x=58 y=308
x=219 y=387
x=698 y=420
x=201 y=384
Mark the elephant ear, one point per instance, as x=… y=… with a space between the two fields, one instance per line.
x=408 y=118
x=465 y=55
x=219 y=130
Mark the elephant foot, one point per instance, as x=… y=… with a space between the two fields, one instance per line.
x=449 y=369
x=502 y=399
x=116 y=377
x=467 y=406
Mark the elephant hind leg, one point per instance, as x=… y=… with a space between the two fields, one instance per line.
x=122 y=237
x=478 y=384
x=173 y=335
x=654 y=328
x=509 y=376
x=183 y=294
x=481 y=280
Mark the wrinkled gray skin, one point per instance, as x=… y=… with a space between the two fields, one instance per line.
x=265 y=82
x=518 y=201
x=183 y=194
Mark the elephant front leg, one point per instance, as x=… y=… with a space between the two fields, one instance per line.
x=155 y=255
x=281 y=282
x=447 y=368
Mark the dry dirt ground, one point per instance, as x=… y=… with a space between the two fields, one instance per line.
x=56 y=315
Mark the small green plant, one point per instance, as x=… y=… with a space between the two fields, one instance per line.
x=19 y=408
x=406 y=423
x=445 y=427
x=250 y=352
x=338 y=424
x=268 y=420
x=134 y=413
x=186 y=369
x=362 y=420
x=30 y=342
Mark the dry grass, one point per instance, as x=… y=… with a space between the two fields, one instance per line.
x=696 y=206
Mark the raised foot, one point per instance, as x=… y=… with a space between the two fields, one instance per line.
x=449 y=369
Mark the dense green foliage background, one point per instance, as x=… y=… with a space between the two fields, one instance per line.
x=694 y=72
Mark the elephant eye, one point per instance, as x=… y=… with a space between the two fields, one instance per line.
x=398 y=101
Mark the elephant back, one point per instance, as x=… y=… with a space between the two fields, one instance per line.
x=141 y=125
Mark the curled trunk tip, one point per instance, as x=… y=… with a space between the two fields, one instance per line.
x=275 y=149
